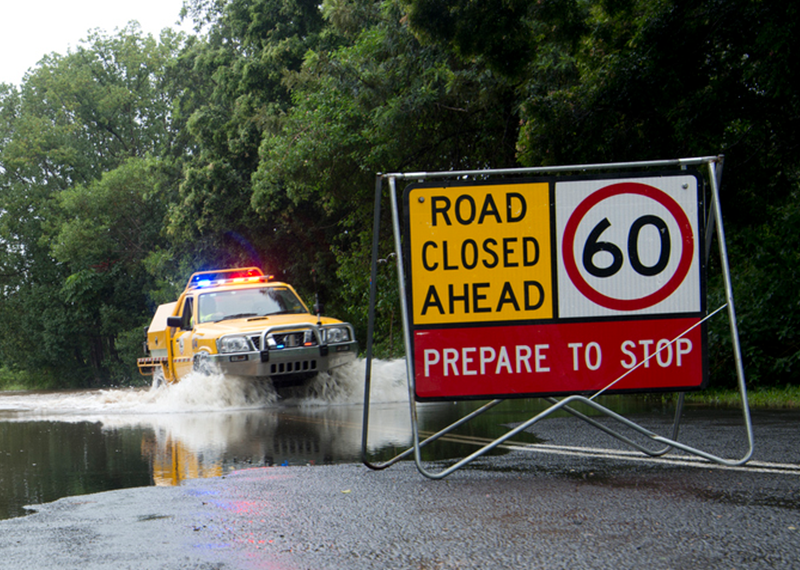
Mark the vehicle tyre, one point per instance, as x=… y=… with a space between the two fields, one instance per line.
x=202 y=364
x=158 y=378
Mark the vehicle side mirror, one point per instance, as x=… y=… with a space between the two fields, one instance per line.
x=176 y=322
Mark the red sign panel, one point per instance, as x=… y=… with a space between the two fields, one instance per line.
x=557 y=359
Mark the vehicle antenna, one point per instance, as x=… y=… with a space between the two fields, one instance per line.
x=317 y=306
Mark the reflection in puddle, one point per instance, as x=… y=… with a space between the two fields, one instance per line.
x=209 y=444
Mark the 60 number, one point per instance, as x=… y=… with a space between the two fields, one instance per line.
x=593 y=246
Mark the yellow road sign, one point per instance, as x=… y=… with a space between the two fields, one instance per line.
x=480 y=253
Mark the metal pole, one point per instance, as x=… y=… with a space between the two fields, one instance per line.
x=373 y=285
x=734 y=328
x=676 y=162
x=398 y=245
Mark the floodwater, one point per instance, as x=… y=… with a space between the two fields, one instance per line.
x=64 y=443
x=55 y=444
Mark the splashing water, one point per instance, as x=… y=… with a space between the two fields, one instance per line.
x=345 y=385
x=201 y=393
x=215 y=392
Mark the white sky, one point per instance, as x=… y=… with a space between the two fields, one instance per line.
x=30 y=29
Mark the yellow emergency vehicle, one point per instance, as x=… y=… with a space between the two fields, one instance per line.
x=240 y=322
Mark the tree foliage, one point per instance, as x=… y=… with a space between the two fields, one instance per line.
x=132 y=160
x=70 y=284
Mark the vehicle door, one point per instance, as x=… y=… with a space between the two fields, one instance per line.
x=182 y=350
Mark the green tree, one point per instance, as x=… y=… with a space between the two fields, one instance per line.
x=75 y=118
x=373 y=99
x=105 y=232
x=241 y=62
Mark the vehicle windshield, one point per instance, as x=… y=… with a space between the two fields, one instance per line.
x=243 y=303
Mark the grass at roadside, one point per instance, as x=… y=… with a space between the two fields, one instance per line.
x=11 y=380
x=787 y=397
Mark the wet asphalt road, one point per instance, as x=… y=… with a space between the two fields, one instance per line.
x=564 y=508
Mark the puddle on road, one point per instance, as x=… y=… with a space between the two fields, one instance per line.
x=59 y=443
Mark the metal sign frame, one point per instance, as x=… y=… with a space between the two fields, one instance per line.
x=561 y=401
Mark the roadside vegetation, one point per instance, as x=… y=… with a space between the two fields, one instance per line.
x=773 y=398
x=131 y=161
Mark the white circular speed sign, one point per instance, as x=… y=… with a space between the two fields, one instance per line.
x=628 y=246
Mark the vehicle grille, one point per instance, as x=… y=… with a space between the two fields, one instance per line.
x=291 y=367
x=302 y=338
x=289 y=339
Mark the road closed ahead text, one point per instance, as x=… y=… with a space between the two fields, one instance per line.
x=481 y=253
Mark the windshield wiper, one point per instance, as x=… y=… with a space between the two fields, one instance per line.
x=238 y=316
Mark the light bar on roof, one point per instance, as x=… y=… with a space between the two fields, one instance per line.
x=221 y=275
x=203 y=283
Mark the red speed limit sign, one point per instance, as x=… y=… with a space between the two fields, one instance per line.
x=628 y=246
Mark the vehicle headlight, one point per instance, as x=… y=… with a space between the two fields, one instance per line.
x=337 y=334
x=233 y=344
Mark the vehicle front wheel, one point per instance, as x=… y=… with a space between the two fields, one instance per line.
x=202 y=364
